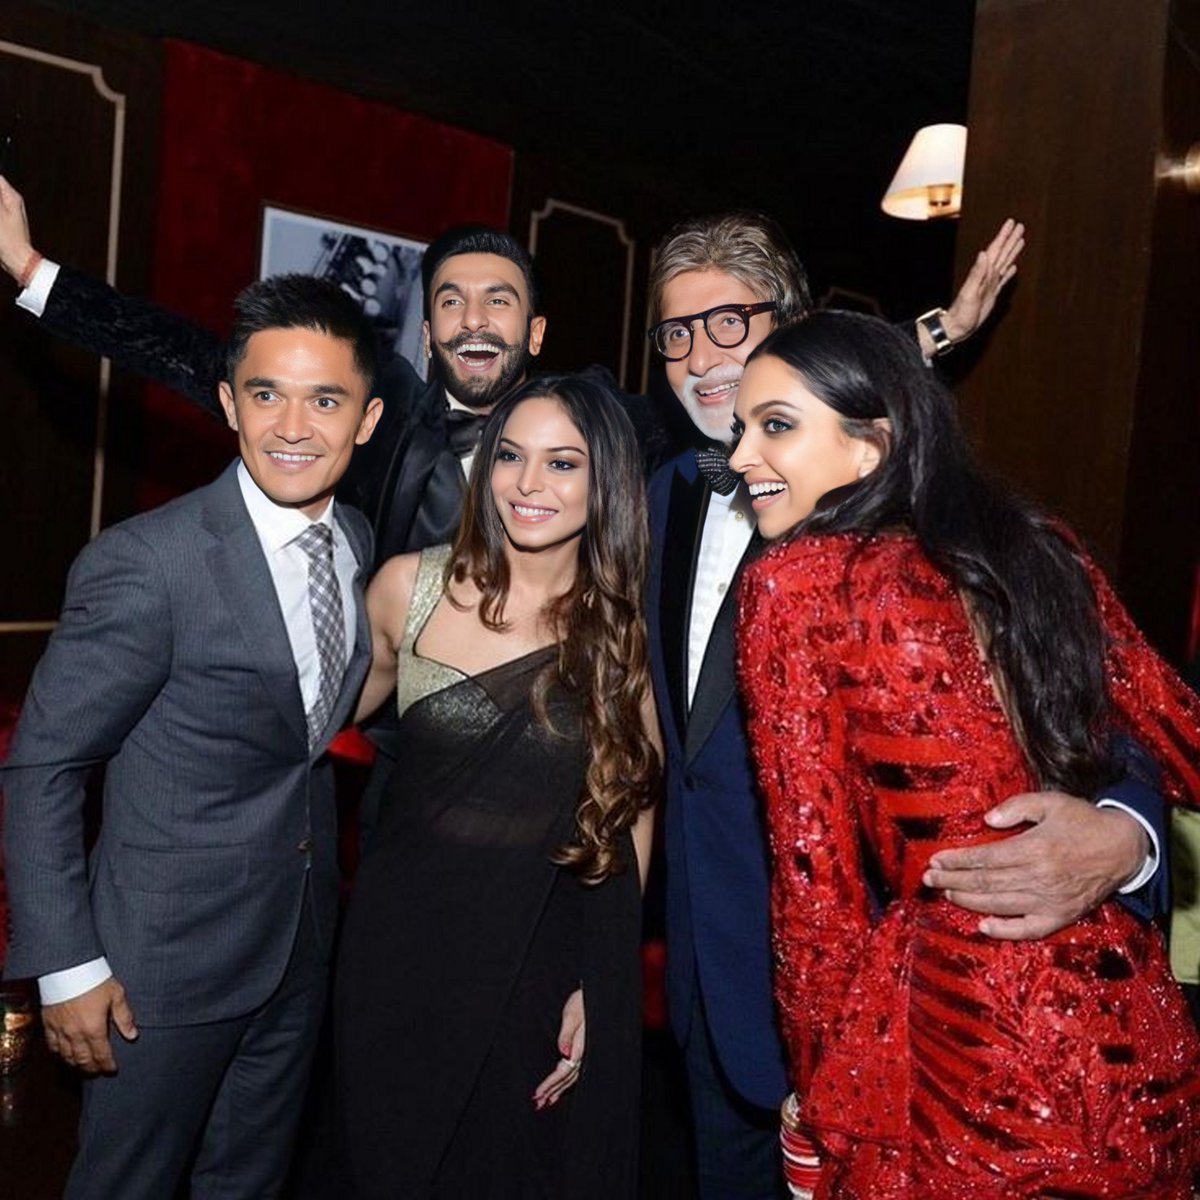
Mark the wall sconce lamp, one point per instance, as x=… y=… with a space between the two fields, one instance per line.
x=928 y=183
x=1183 y=171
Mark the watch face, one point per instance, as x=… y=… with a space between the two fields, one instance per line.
x=937 y=331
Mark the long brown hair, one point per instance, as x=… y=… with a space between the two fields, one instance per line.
x=598 y=623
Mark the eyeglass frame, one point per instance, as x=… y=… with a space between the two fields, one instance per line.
x=747 y=311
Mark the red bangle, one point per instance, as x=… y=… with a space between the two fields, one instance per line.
x=31 y=264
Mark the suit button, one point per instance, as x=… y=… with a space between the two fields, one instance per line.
x=305 y=846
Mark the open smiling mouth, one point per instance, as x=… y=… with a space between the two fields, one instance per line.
x=716 y=392
x=477 y=356
x=289 y=459
x=764 y=493
x=531 y=512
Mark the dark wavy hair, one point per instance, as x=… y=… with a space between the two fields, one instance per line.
x=599 y=622
x=1021 y=573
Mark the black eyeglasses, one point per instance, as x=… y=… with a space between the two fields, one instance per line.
x=727 y=325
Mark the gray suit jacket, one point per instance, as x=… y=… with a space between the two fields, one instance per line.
x=171 y=664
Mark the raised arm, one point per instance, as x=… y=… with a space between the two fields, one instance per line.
x=994 y=266
x=138 y=336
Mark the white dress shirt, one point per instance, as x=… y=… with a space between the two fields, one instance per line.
x=728 y=527
x=277 y=527
x=34 y=296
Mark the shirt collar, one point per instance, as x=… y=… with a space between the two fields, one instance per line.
x=452 y=404
x=275 y=524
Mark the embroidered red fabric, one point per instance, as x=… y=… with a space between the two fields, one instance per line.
x=930 y=1060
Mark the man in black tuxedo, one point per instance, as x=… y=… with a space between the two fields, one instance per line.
x=483 y=329
x=207 y=653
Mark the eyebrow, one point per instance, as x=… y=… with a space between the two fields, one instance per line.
x=492 y=289
x=548 y=449
x=262 y=382
x=761 y=408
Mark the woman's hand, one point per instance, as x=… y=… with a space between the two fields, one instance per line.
x=571 y=1038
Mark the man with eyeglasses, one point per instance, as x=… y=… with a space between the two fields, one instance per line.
x=719 y=285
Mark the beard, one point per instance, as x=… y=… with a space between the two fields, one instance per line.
x=482 y=392
x=714 y=421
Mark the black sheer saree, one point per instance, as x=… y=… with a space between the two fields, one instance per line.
x=464 y=940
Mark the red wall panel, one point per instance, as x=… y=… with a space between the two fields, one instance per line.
x=236 y=136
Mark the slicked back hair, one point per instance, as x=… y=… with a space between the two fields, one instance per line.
x=480 y=239
x=749 y=246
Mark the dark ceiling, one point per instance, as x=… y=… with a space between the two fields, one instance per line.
x=803 y=109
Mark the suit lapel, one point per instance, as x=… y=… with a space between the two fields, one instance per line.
x=423 y=495
x=717 y=683
x=685 y=520
x=244 y=580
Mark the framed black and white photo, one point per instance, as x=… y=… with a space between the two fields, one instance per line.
x=380 y=270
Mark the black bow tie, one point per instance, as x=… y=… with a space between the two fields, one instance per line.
x=718 y=474
x=463 y=429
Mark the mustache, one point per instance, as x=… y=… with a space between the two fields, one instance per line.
x=465 y=339
x=716 y=377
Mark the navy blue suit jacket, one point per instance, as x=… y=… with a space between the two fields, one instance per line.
x=718 y=917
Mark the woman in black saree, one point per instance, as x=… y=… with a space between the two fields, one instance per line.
x=487 y=1002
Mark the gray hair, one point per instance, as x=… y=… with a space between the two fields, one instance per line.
x=749 y=246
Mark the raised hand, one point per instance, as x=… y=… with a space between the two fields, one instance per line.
x=992 y=269
x=15 y=247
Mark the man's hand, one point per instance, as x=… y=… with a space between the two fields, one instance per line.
x=1039 y=881
x=15 y=246
x=992 y=269
x=77 y=1030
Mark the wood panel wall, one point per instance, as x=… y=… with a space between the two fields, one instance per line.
x=83 y=107
x=1086 y=396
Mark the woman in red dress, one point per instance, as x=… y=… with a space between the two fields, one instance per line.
x=915 y=647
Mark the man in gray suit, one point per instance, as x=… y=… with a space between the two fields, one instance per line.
x=207 y=652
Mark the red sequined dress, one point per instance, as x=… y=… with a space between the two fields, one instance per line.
x=931 y=1061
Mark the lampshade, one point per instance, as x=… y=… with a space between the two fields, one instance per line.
x=929 y=181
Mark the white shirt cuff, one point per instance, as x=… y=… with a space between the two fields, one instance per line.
x=1150 y=866
x=74 y=981
x=33 y=299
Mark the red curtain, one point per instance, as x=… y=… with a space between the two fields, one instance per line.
x=236 y=136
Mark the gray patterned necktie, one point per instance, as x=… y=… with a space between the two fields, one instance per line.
x=329 y=625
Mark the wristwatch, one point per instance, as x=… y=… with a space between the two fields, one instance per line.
x=932 y=320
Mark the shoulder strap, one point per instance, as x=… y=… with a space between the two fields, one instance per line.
x=427 y=591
